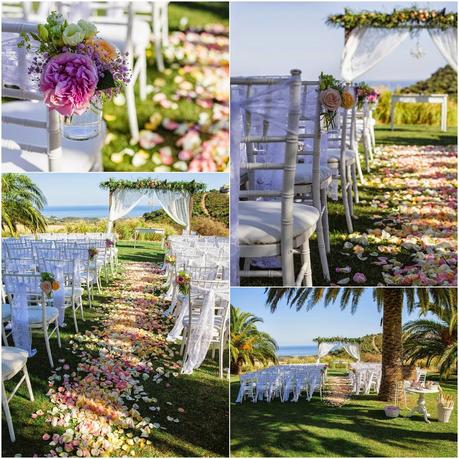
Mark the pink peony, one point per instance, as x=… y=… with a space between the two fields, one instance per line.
x=330 y=99
x=68 y=82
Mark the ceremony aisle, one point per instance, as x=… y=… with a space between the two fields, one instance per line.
x=117 y=389
x=407 y=224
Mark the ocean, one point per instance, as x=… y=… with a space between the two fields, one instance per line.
x=91 y=211
x=296 y=351
x=392 y=85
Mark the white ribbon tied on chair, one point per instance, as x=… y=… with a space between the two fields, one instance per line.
x=183 y=301
x=20 y=320
x=200 y=334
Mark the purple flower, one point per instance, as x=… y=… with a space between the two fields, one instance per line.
x=68 y=82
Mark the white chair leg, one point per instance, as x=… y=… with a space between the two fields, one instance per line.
x=132 y=113
x=75 y=322
x=322 y=250
x=344 y=188
x=306 y=263
x=4 y=337
x=350 y=185
x=143 y=78
x=48 y=347
x=58 y=334
x=358 y=165
x=325 y=225
x=80 y=303
x=354 y=181
x=28 y=384
x=7 y=413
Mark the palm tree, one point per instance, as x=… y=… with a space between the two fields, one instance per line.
x=433 y=339
x=249 y=345
x=389 y=300
x=22 y=203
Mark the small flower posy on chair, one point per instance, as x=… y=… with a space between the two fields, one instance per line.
x=75 y=70
x=48 y=283
x=183 y=281
x=92 y=253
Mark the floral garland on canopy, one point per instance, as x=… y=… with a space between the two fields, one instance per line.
x=411 y=18
x=338 y=339
x=121 y=184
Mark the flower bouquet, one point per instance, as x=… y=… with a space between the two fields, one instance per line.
x=333 y=95
x=183 y=281
x=170 y=259
x=109 y=243
x=48 y=283
x=92 y=253
x=76 y=71
x=365 y=92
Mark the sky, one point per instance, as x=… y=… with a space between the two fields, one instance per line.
x=83 y=189
x=290 y=327
x=270 y=38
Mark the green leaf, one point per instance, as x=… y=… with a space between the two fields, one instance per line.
x=106 y=82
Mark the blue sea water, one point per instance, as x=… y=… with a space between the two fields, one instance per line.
x=91 y=211
x=296 y=351
x=392 y=85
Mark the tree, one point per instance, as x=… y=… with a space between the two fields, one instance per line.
x=249 y=345
x=389 y=300
x=22 y=203
x=434 y=340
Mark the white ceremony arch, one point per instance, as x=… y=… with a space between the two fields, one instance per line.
x=370 y=36
x=175 y=198
x=351 y=347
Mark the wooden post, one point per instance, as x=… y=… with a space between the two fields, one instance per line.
x=110 y=201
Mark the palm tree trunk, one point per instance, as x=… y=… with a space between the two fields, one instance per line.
x=391 y=343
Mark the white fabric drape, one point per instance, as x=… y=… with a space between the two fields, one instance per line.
x=176 y=204
x=353 y=349
x=59 y=295
x=446 y=42
x=200 y=335
x=323 y=349
x=123 y=201
x=20 y=320
x=366 y=47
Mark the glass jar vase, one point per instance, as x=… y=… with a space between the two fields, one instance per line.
x=85 y=126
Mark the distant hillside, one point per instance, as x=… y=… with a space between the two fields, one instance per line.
x=443 y=81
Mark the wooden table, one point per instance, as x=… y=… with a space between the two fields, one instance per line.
x=420 y=98
x=138 y=231
x=421 y=404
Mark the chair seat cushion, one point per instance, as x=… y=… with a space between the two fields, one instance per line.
x=13 y=359
x=303 y=174
x=260 y=221
x=35 y=314
x=335 y=153
x=77 y=156
x=116 y=35
x=6 y=312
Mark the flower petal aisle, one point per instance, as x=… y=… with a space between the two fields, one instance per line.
x=104 y=406
x=412 y=241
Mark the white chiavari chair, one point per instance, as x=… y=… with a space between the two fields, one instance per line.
x=28 y=118
x=271 y=228
x=41 y=316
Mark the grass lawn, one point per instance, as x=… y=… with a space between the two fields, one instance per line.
x=203 y=395
x=408 y=135
x=358 y=429
x=179 y=87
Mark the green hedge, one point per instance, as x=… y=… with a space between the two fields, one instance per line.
x=413 y=113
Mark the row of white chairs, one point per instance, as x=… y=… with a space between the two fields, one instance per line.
x=287 y=164
x=206 y=261
x=283 y=382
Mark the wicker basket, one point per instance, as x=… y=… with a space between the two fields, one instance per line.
x=392 y=411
